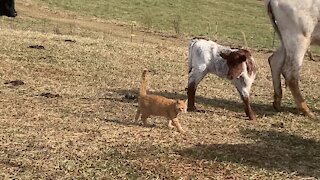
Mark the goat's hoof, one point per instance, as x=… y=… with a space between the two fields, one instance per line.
x=309 y=114
x=277 y=106
x=252 y=118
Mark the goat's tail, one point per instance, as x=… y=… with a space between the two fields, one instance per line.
x=270 y=5
x=144 y=83
x=191 y=44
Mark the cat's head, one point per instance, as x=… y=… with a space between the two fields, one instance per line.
x=181 y=105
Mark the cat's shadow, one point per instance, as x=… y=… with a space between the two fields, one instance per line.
x=260 y=109
x=129 y=123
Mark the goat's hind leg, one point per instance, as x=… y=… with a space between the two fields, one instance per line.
x=291 y=72
x=276 y=62
x=293 y=84
x=195 y=76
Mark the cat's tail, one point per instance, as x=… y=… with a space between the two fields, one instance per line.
x=144 y=83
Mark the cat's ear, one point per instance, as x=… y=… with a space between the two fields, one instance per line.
x=183 y=100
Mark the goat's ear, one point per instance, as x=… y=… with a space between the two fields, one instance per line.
x=224 y=55
x=242 y=58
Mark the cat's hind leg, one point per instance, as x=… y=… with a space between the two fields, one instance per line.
x=144 y=118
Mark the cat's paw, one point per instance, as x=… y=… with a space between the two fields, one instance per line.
x=182 y=131
x=171 y=126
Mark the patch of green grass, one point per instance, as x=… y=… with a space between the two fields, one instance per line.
x=220 y=19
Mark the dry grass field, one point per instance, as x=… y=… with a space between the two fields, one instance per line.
x=71 y=118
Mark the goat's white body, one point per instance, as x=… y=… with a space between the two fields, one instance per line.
x=204 y=57
x=297 y=23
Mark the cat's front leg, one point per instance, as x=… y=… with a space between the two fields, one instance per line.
x=178 y=126
x=170 y=124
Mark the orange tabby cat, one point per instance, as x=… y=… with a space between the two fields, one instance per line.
x=153 y=105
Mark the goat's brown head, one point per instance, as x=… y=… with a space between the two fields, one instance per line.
x=235 y=61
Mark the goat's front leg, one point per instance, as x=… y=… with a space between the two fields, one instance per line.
x=291 y=70
x=244 y=91
x=195 y=76
x=249 y=112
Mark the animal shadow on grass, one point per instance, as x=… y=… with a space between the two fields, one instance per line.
x=235 y=106
x=124 y=122
x=129 y=122
x=273 y=150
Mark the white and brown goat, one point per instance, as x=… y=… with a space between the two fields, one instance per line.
x=237 y=65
